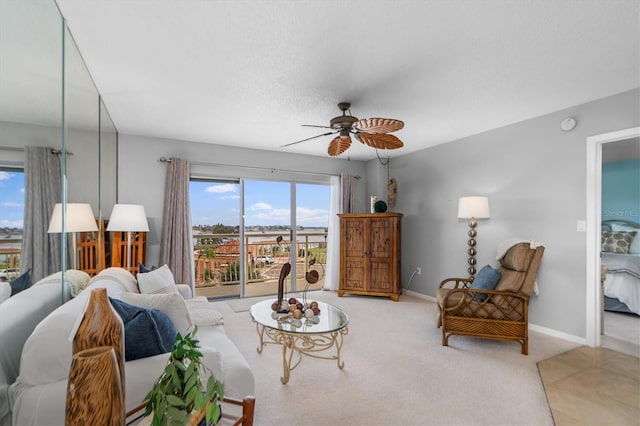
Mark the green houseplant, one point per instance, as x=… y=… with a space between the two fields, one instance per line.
x=178 y=391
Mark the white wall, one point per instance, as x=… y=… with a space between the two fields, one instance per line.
x=535 y=177
x=141 y=178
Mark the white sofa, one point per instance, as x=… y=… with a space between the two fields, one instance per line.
x=38 y=396
x=19 y=315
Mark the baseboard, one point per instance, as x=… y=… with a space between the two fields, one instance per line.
x=532 y=327
x=418 y=295
x=559 y=334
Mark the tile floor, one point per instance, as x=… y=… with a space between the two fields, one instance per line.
x=592 y=386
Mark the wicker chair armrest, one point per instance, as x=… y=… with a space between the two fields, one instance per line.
x=457 y=283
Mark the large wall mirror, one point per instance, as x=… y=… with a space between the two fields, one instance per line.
x=48 y=99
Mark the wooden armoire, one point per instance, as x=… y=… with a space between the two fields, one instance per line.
x=370 y=254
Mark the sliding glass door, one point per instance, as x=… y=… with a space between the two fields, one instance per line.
x=245 y=231
x=267 y=235
x=215 y=218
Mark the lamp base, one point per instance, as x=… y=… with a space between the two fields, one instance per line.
x=471 y=251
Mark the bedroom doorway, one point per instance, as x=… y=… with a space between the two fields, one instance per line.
x=593 y=222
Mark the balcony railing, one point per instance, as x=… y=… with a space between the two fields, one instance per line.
x=9 y=258
x=218 y=263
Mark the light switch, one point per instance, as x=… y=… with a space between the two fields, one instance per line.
x=582 y=226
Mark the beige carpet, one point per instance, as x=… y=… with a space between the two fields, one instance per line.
x=397 y=373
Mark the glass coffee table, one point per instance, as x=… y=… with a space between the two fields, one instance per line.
x=305 y=336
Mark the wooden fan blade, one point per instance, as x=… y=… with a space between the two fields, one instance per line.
x=378 y=125
x=379 y=140
x=308 y=139
x=339 y=145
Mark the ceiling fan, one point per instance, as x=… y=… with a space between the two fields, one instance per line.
x=373 y=132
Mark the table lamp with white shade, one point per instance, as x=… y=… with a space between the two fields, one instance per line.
x=128 y=218
x=78 y=217
x=473 y=208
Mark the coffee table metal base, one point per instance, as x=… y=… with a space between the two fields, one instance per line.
x=301 y=344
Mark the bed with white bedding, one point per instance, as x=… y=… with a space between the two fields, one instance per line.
x=620 y=254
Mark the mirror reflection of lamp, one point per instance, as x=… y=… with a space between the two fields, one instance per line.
x=78 y=217
x=128 y=218
x=473 y=208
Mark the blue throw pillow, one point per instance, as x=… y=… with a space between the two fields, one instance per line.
x=487 y=279
x=144 y=269
x=147 y=332
x=21 y=282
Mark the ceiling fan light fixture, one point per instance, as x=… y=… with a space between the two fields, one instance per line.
x=368 y=131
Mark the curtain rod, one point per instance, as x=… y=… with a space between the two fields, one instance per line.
x=19 y=149
x=270 y=169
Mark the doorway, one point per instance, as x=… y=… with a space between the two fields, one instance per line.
x=594 y=309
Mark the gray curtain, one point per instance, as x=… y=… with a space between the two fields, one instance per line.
x=176 y=246
x=346 y=205
x=42 y=190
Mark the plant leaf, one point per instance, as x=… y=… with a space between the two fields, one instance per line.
x=212 y=413
x=175 y=401
x=177 y=416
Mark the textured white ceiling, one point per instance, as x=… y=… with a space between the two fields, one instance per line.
x=249 y=73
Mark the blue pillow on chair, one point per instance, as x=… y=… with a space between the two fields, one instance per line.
x=21 y=282
x=487 y=279
x=147 y=332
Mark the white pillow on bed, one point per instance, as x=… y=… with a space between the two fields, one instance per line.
x=635 y=244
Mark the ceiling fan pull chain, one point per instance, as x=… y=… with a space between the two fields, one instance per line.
x=380 y=160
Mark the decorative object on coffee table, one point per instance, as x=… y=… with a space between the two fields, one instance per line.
x=177 y=395
x=286 y=268
x=94 y=390
x=101 y=326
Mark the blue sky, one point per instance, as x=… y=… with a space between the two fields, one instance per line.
x=266 y=203
x=11 y=199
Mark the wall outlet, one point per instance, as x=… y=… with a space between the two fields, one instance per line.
x=419 y=270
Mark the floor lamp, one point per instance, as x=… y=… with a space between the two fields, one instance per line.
x=78 y=218
x=473 y=208
x=128 y=218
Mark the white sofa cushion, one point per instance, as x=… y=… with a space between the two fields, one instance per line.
x=160 y=280
x=5 y=291
x=171 y=304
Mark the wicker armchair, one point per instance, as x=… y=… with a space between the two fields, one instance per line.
x=492 y=314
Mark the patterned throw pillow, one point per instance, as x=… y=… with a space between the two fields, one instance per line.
x=617 y=242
